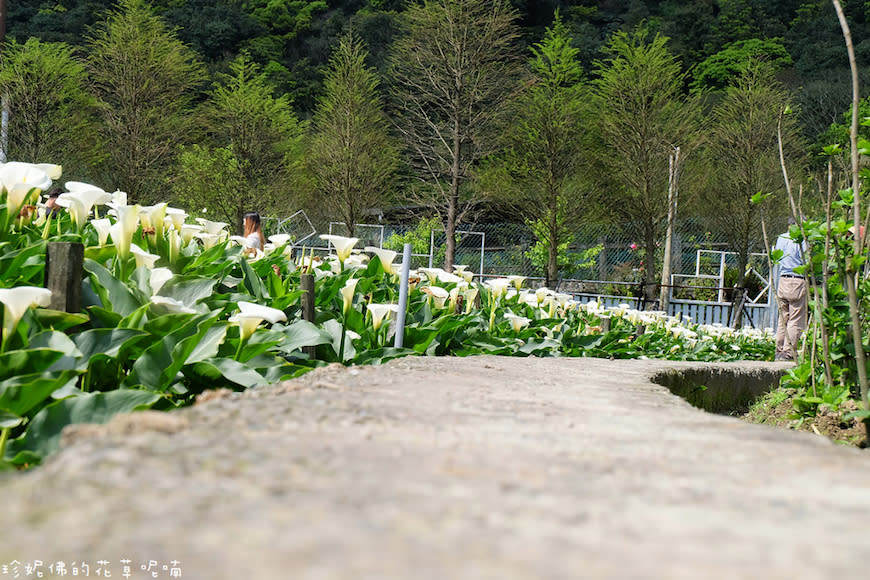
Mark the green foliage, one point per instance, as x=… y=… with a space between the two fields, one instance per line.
x=352 y=156
x=51 y=115
x=718 y=70
x=145 y=80
x=540 y=172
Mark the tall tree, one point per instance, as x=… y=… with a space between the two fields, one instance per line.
x=51 y=114
x=453 y=71
x=257 y=137
x=642 y=116
x=540 y=173
x=145 y=80
x=352 y=157
x=744 y=154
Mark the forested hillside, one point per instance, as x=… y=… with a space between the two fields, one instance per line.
x=292 y=38
x=553 y=112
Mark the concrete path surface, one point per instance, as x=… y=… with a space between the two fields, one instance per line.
x=437 y=468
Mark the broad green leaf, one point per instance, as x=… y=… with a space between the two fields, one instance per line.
x=252 y=282
x=114 y=293
x=106 y=341
x=157 y=367
x=302 y=333
x=42 y=436
x=208 y=345
x=188 y=289
x=231 y=370
x=27 y=362
x=105 y=316
x=58 y=319
x=22 y=393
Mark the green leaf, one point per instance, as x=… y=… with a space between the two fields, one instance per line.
x=106 y=341
x=188 y=290
x=252 y=282
x=157 y=367
x=58 y=319
x=115 y=295
x=22 y=393
x=231 y=370
x=9 y=420
x=302 y=333
x=42 y=436
x=26 y=362
x=209 y=344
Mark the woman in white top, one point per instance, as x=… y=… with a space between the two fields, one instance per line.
x=254 y=238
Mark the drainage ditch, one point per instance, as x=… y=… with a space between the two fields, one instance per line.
x=720 y=389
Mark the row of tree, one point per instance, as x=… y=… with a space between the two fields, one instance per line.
x=458 y=115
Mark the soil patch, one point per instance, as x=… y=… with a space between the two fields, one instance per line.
x=777 y=408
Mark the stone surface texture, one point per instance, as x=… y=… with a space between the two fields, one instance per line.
x=443 y=468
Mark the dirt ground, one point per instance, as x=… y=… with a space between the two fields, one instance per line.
x=777 y=409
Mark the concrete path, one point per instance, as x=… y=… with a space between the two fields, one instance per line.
x=430 y=468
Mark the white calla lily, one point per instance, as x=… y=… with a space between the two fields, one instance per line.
x=158 y=277
x=385 y=256
x=102 y=227
x=347 y=294
x=171 y=305
x=143 y=258
x=380 y=312
x=16 y=301
x=28 y=175
x=280 y=239
x=176 y=217
x=188 y=231
x=343 y=245
x=123 y=229
x=438 y=295
x=210 y=227
x=250 y=316
x=208 y=240
x=517 y=322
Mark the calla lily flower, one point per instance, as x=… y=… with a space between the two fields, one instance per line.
x=280 y=239
x=52 y=170
x=171 y=305
x=499 y=286
x=347 y=294
x=16 y=301
x=176 y=217
x=80 y=201
x=174 y=239
x=438 y=294
x=158 y=277
x=517 y=322
x=188 y=231
x=251 y=315
x=470 y=295
x=103 y=227
x=385 y=256
x=210 y=227
x=343 y=245
x=28 y=175
x=380 y=312
x=517 y=281
x=208 y=240
x=154 y=216
x=123 y=229
x=143 y=258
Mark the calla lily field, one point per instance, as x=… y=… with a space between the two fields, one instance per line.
x=173 y=306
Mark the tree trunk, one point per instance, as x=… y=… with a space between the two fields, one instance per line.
x=649 y=266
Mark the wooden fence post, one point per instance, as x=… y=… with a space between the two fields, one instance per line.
x=63 y=275
x=307 y=283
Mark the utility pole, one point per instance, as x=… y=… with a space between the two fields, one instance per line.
x=673 y=180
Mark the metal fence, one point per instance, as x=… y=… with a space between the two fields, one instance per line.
x=604 y=261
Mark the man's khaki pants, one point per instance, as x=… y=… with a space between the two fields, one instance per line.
x=792 y=294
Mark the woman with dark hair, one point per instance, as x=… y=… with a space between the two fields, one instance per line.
x=254 y=238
